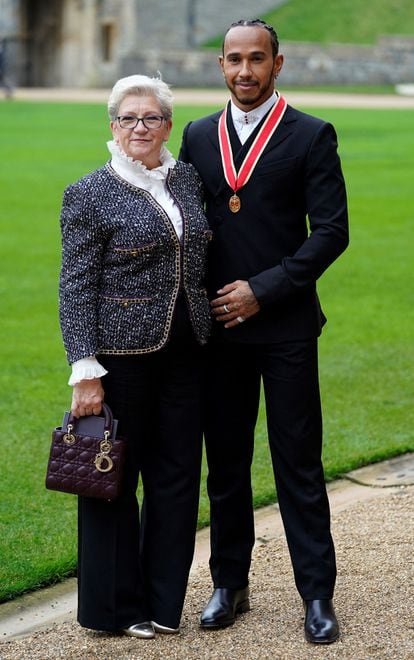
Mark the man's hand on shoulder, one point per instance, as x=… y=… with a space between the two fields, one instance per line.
x=235 y=304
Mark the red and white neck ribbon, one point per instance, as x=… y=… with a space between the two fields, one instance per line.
x=237 y=180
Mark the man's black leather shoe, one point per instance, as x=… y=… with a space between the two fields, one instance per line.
x=321 y=625
x=223 y=606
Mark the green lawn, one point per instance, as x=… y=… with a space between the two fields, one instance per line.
x=366 y=350
x=342 y=21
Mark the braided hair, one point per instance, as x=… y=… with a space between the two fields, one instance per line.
x=257 y=22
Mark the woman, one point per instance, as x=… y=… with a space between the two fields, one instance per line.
x=134 y=317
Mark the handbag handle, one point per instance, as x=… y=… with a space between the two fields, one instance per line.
x=108 y=424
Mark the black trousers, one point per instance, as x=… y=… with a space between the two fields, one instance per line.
x=130 y=569
x=294 y=423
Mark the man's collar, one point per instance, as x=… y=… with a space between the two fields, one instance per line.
x=255 y=115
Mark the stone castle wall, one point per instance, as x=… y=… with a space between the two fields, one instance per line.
x=390 y=61
x=91 y=43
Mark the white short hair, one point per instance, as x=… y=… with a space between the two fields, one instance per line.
x=141 y=86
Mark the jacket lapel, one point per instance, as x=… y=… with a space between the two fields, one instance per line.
x=285 y=128
x=212 y=133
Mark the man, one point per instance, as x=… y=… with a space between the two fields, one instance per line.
x=276 y=202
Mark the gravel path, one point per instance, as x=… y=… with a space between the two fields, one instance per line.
x=374 y=541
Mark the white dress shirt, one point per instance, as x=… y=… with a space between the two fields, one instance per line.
x=154 y=182
x=246 y=122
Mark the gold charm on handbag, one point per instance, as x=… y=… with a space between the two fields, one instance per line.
x=69 y=438
x=103 y=462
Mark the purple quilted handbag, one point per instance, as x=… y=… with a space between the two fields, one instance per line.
x=86 y=458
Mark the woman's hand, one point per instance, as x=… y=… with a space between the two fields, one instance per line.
x=87 y=397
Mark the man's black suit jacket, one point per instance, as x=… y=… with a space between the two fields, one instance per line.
x=292 y=225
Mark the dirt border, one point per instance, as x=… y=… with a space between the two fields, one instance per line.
x=219 y=97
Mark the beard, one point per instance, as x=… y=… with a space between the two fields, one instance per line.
x=262 y=92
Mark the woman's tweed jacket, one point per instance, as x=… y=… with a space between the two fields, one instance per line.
x=123 y=264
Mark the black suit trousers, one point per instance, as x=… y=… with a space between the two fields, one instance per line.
x=289 y=372
x=133 y=567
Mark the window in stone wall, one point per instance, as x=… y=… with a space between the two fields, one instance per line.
x=108 y=32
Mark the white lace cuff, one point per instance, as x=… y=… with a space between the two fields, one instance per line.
x=86 y=369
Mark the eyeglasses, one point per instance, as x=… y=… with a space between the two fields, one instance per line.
x=151 y=121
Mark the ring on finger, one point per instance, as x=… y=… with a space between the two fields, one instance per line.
x=240 y=319
x=226 y=309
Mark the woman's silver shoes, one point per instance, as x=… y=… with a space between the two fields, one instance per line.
x=164 y=629
x=147 y=630
x=144 y=630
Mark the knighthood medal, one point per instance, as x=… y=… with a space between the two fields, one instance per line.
x=237 y=180
x=234 y=203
